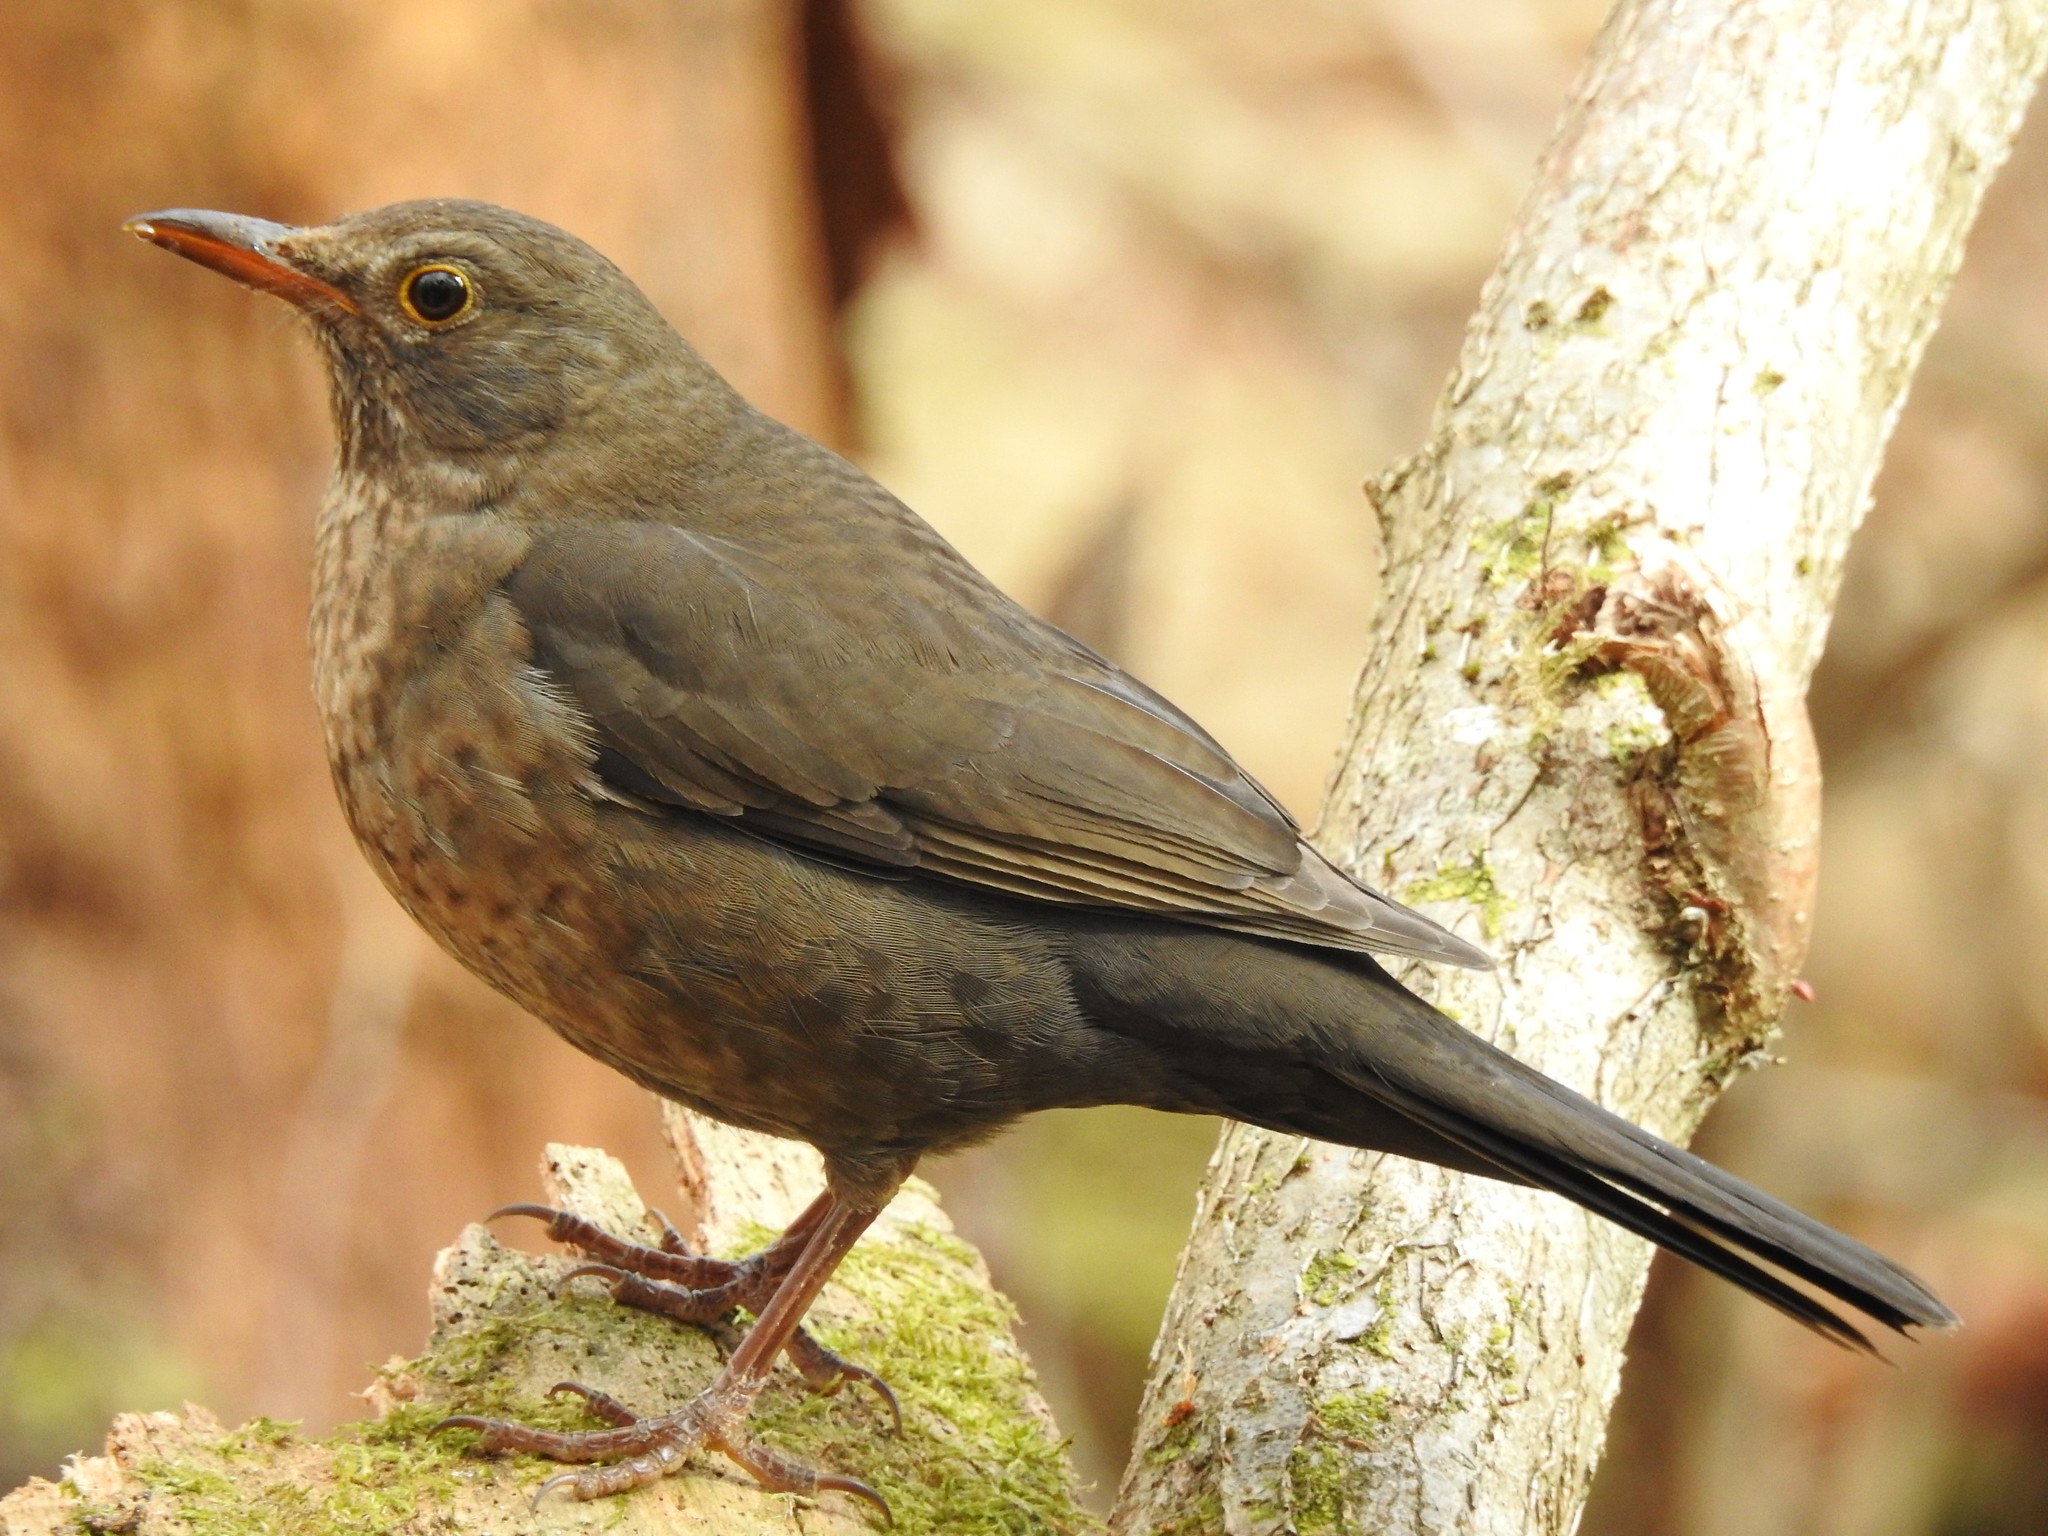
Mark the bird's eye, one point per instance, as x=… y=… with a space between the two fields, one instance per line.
x=436 y=295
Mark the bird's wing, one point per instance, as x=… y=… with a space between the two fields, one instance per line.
x=933 y=728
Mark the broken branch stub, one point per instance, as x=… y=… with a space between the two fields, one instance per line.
x=978 y=1455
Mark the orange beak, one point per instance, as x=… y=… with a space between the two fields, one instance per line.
x=244 y=248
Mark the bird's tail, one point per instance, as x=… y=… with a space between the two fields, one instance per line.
x=1444 y=1078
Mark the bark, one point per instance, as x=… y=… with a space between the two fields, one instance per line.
x=1581 y=737
x=978 y=1454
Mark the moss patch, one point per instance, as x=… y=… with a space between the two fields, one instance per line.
x=1359 y=1414
x=1315 y=1488
x=973 y=1458
x=1379 y=1338
x=978 y=1456
x=1472 y=883
x=1594 y=309
x=1329 y=1278
x=353 y=1483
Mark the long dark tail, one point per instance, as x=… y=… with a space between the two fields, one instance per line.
x=1444 y=1078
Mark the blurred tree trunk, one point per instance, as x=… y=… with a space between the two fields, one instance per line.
x=190 y=951
x=1581 y=734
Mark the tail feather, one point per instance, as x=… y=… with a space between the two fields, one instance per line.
x=1534 y=1166
x=1440 y=1075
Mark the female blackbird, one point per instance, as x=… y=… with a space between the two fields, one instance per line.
x=684 y=733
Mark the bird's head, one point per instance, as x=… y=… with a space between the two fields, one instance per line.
x=452 y=327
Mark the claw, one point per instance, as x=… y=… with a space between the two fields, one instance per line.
x=559 y=1480
x=462 y=1421
x=832 y=1482
x=881 y=1389
x=611 y=1274
x=545 y=1213
x=826 y=1372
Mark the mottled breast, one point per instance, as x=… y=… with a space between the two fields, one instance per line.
x=463 y=772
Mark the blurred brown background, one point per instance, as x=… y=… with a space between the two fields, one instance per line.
x=1127 y=296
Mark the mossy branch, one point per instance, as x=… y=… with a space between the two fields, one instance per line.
x=979 y=1455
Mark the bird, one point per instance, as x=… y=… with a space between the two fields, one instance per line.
x=681 y=731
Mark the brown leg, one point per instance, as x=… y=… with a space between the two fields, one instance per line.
x=716 y=1418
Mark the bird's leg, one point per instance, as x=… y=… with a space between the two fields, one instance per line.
x=698 y=1289
x=645 y=1450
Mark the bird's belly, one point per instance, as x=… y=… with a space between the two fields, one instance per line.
x=717 y=970
x=762 y=987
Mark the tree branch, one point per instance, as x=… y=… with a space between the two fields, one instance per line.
x=1581 y=735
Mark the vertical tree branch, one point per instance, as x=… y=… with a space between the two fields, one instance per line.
x=1581 y=736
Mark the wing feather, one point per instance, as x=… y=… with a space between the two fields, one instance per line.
x=937 y=729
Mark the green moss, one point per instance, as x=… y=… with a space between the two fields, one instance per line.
x=1539 y=316
x=1262 y=1186
x=1595 y=307
x=1559 y=670
x=1358 y=1414
x=1329 y=1278
x=1175 y=1445
x=1516 y=548
x=1204 y=1516
x=1629 y=741
x=1379 y=1338
x=471 y=1357
x=1471 y=883
x=208 y=1500
x=1768 y=380
x=256 y=1436
x=358 y=1482
x=1606 y=539
x=1496 y=1355
x=1315 y=1487
x=972 y=1460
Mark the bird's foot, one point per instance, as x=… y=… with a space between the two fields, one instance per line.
x=636 y=1451
x=697 y=1289
x=727 y=1280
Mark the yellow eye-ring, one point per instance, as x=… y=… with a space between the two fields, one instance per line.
x=437 y=295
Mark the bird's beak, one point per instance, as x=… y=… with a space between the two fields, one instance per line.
x=244 y=248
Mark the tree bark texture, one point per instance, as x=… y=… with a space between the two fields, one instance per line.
x=978 y=1455
x=1581 y=737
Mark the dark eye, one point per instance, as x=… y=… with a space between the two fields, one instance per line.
x=436 y=295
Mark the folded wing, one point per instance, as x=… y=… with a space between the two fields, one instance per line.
x=933 y=728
